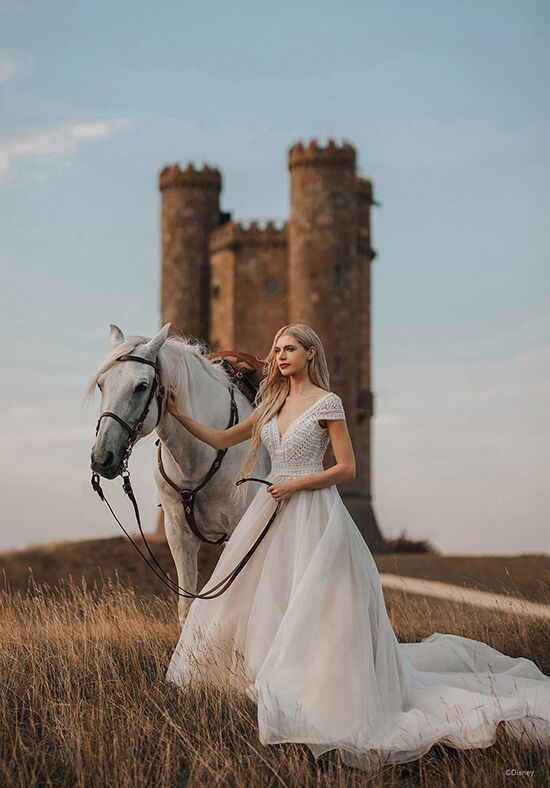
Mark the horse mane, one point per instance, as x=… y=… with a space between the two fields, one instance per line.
x=176 y=348
x=171 y=355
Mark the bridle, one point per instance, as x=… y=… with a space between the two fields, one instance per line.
x=187 y=495
x=134 y=431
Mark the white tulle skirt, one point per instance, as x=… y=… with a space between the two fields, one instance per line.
x=304 y=632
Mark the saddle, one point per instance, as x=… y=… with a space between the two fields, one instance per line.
x=245 y=370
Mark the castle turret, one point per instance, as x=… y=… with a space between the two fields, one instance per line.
x=190 y=210
x=328 y=289
x=365 y=254
x=365 y=403
x=322 y=252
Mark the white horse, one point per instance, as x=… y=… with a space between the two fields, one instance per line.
x=202 y=389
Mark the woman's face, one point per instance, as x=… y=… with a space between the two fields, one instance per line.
x=291 y=358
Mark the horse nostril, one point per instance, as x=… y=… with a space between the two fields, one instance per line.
x=106 y=462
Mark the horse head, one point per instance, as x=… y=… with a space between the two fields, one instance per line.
x=131 y=398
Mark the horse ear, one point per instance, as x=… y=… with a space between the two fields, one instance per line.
x=155 y=343
x=115 y=336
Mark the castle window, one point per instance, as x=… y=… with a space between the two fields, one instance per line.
x=337 y=367
x=272 y=285
x=336 y=276
x=215 y=291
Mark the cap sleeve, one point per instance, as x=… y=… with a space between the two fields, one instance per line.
x=331 y=408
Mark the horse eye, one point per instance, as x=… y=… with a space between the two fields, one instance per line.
x=141 y=387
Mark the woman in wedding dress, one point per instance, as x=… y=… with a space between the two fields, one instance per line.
x=303 y=630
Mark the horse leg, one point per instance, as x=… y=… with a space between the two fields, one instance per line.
x=184 y=547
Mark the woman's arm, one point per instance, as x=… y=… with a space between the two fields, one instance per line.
x=219 y=439
x=343 y=470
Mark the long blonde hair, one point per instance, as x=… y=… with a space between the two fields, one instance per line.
x=275 y=387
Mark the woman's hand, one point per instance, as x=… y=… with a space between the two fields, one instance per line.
x=283 y=489
x=171 y=402
x=218 y=439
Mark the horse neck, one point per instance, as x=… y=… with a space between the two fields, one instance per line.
x=205 y=399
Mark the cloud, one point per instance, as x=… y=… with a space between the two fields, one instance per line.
x=13 y=5
x=21 y=413
x=11 y=64
x=460 y=453
x=39 y=145
x=47 y=437
x=387 y=419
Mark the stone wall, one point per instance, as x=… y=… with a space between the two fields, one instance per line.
x=248 y=286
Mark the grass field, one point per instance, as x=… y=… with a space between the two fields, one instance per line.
x=84 y=701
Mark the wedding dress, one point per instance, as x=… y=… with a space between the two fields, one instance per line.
x=303 y=631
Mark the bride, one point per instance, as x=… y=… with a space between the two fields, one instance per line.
x=303 y=630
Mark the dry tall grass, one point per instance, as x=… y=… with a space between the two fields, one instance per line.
x=84 y=701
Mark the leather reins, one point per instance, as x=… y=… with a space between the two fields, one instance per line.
x=187 y=495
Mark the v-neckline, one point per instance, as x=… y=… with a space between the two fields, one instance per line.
x=281 y=438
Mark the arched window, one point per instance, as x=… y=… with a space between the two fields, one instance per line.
x=215 y=291
x=336 y=275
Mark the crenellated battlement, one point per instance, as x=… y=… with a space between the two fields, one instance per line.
x=314 y=153
x=233 y=234
x=363 y=188
x=173 y=177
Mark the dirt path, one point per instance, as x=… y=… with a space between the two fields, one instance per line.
x=507 y=604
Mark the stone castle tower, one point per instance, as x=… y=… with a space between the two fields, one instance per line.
x=235 y=286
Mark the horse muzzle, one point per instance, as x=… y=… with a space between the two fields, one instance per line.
x=107 y=465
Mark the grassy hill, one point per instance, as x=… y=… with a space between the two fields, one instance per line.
x=525 y=576
x=83 y=700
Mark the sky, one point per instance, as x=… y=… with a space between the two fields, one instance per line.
x=447 y=106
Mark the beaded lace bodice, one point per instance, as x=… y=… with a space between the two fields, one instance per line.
x=301 y=449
